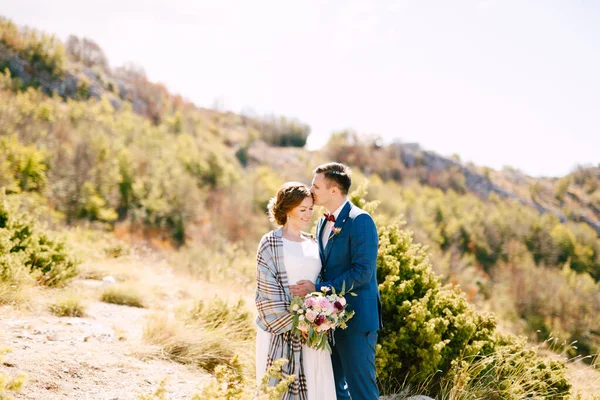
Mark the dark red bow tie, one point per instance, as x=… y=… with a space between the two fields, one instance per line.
x=329 y=217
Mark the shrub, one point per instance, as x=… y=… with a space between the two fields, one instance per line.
x=511 y=372
x=231 y=384
x=282 y=131
x=429 y=327
x=23 y=168
x=68 y=305
x=125 y=295
x=426 y=326
x=23 y=243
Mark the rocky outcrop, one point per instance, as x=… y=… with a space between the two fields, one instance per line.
x=413 y=155
x=67 y=86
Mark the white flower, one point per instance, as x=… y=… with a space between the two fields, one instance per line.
x=295 y=307
x=301 y=318
x=300 y=311
x=311 y=315
x=303 y=326
x=343 y=301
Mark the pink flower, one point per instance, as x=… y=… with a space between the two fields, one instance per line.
x=324 y=303
x=310 y=302
x=311 y=315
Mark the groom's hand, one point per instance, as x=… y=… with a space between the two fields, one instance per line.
x=302 y=288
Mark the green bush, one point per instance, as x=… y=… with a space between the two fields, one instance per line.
x=22 y=168
x=24 y=244
x=282 y=131
x=426 y=326
x=429 y=327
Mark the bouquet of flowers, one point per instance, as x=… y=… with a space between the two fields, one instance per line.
x=318 y=314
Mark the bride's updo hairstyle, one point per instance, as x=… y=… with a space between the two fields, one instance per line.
x=288 y=197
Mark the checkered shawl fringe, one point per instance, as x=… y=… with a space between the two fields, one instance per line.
x=273 y=304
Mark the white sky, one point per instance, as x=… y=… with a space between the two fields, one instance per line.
x=498 y=82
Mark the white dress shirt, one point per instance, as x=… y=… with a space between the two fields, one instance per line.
x=329 y=225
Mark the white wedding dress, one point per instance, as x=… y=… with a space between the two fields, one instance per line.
x=302 y=262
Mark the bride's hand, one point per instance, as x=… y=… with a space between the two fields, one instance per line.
x=302 y=288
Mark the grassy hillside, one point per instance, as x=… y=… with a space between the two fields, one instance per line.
x=84 y=145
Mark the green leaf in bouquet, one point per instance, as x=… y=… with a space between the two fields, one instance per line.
x=327 y=346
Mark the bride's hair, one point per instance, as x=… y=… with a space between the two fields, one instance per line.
x=288 y=197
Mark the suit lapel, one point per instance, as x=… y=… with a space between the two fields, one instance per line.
x=320 y=239
x=339 y=222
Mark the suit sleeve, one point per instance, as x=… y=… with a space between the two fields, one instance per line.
x=363 y=255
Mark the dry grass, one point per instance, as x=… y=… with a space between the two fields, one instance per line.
x=202 y=348
x=123 y=294
x=216 y=263
x=208 y=335
x=11 y=293
x=585 y=378
x=23 y=297
x=68 y=304
x=8 y=383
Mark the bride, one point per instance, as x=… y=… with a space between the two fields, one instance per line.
x=285 y=256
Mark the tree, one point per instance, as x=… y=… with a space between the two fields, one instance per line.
x=86 y=51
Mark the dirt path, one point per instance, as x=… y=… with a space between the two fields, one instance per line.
x=83 y=358
x=99 y=357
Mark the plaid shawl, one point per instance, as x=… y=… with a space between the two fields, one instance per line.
x=273 y=304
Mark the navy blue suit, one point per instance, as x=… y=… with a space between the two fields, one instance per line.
x=351 y=257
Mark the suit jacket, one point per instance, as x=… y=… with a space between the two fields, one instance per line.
x=351 y=257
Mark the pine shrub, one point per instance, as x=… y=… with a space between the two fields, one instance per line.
x=432 y=334
x=27 y=251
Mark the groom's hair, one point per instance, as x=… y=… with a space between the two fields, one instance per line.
x=289 y=196
x=337 y=174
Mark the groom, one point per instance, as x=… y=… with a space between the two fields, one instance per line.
x=348 y=247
